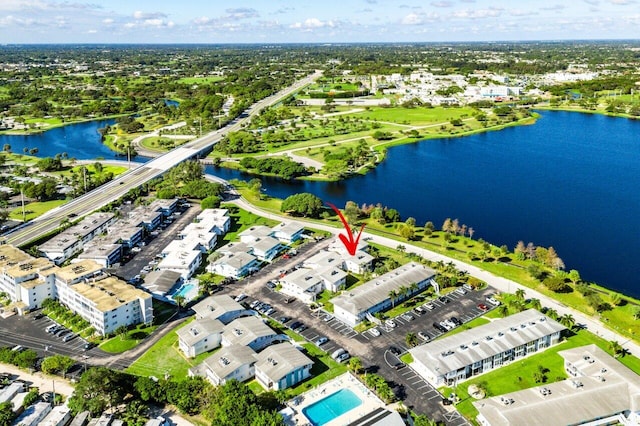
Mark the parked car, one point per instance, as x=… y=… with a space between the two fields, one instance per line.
x=301 y=328
x=429 y=306
x=240 y=297
x=327 y=318
x=374 y=332
x=398 y=365
x=418 y=311
x=337 y=353
x=68 y=337
x=444 y=299
x=407 y=317
x=345 y=356
x=456 y=321
x=482 y=307
x=439 y=327
x=38 y=316
x=424 y=336
x=493 y=301
x=293 y=326
x=254 y=304
x=50 y=328
x=289 y=299
x=271 y=285
x=394 y=350
x=321 y=341
x=283 y=319
x=390 y=323
x=17 y=348
x=467 y=287
x=88 y=346
x=461 y=291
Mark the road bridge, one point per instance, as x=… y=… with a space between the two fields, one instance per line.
x=113 y=190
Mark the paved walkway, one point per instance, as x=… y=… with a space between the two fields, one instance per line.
x=499 y=283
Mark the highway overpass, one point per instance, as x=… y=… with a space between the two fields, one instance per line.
x=111 y=191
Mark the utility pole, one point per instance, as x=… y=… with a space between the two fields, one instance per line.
x=84 y=175
x=24 y=214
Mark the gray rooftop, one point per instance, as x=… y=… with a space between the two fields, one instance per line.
x=263 y=244
x=255 y=232
x=467 y=347
x=302 y=278
x=199 y=329
x=243 y=331
x=566 y=403
x=215 y=306
x=277 y=361
x=70 y=236
x=290 y=228
x=236 y=260
x=161 y=281
x=228 y=359
x=377 y=290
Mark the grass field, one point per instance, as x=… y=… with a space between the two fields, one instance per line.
x=164 y=357
x=201 y=80
x=35 y=209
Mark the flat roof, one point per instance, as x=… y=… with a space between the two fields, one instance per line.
x=255 y=231
x=109 y=293
x=179 y=259
x=234 y=247
x=11 y=256
x=99 y=250
x=290 y=228
x=454 y=352
x=377 y=290
x=29 y=266
x=228 y=359
x=324 y=258
x=243 y=331
x=263 y=244
x=276 y=361
x=604 y=387
x=161 y=281
x=197 y=330
x=70 y=236
x=79 y=269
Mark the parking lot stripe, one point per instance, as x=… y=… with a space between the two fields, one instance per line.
x=435 y=396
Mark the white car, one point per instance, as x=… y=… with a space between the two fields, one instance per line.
x=390 y=323
x=374 y=332
x=493 y=301
x=240 y=297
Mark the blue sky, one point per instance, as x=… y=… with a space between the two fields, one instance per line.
x=323 y=21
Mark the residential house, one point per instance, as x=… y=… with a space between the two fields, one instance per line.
x=233 y=362
x=201 y=335
x=282 y=366
x=250 y=331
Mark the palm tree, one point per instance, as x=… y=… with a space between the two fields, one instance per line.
x=179 y=301
x=616 y=348
x=519 y=294
x=403 y=291
x=393 y=295
x=136 y=413
x=535 y=304
x=411 y=339
x=355 y=365
x=503 y=310
x=568 y=321
x=552 y=313
x=413 y=287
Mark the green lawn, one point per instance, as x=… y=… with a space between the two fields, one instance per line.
x=414 y=116
x=242 y=219
x=324 y=369
x=164 y=357
x=201 y=80
x=467 y=326
x=35 y=209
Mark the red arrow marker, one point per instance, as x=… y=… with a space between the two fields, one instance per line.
x=350 y=244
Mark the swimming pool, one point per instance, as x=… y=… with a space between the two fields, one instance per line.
x=188 y=291
x=322 y=412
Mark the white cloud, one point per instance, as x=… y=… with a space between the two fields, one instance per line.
x=108 y=21
x=92 y=31
x=520 y=12
x=138 y=14
x=242 y=13
x=492 y=12
x=442 y=3
x=40 y=5
x=419 y=18
x=622 y=2
x=310 y=24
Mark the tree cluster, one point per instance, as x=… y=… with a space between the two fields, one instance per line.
x=303 y=204
x=279 y=166
x=24 y=359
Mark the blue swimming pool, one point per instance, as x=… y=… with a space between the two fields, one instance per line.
x=322 y=412
x=188 y=291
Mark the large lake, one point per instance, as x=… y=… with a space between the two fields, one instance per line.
x=569 y=181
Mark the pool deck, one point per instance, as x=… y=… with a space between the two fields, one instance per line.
x=346 y=381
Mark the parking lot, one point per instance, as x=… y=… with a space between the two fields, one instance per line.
x=31 y=333
x=374 y=352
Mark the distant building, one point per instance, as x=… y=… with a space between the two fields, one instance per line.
x=234 y=265
x=302 y=283
x=352 y=306
x=453 y=359
x=288 y=232
x=282 y=366
x=599 y=391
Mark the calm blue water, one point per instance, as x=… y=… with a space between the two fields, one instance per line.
x=569 y=181
x=80 y=141
x=184 y=290
x=335 y=405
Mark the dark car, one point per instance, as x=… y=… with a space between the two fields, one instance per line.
x=301 y=328
x=456 y=321
x=444 y=299
x=394 y=350
x=439 y=327
x=398 y=365
x=295 y=325
x=88 y=346
x=271 y=285
x=283 y=319
x=38 y=316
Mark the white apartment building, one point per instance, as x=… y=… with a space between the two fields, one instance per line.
x=202 y=335
x=281 y=366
